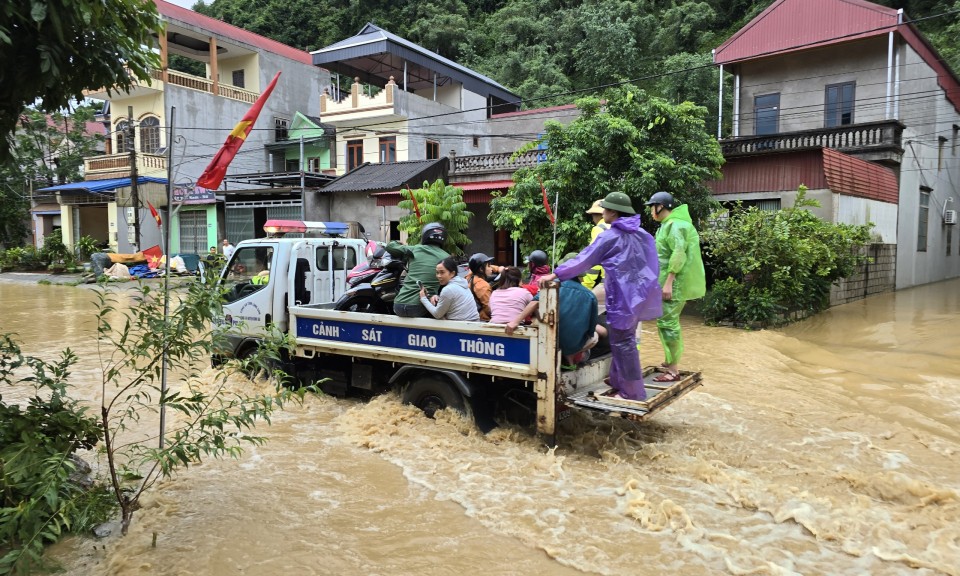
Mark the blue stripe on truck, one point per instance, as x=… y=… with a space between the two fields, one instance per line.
x=487 y=347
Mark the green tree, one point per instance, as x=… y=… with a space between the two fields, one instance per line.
x=441 y=203
x=634 y=144
x=768 y=264
x=53 y=50
x=46 y=149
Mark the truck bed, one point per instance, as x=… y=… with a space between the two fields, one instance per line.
x=596 y=397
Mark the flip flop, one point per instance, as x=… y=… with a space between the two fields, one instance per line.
x=667 y=377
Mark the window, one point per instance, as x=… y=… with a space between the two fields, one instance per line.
x=238 y=78
x=388 y=149
x=150 y=134
x=123 y=137
x=433 y=150
x=838 y=104
x=476 y=141
x=949 y=239
x=343 y=258
x=314 y=165
x=766 y=110
x=247 y=264
x=354 y=153
x=923 y=215
x=291 y=165
x=280 y=129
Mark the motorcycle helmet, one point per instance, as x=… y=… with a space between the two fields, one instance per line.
x=537 y=258
x=664 y=199
x=433 y=233
x=477 y=263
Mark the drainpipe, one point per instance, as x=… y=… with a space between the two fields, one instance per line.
x=720 y=102
x=896 y=74
x=889 y=73
x=736 y=105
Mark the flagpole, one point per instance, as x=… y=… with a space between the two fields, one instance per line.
x=165 y=240
x=556 y=211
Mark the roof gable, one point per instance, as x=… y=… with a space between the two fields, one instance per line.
x=389 y=176
x=789 y=25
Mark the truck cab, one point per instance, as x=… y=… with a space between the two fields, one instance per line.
x=265 y=275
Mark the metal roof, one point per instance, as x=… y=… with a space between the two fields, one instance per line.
x=815 y=168
x=90 y=186
x=790 y=25
x=389 y=176
x=374 y=55
x=282 y=179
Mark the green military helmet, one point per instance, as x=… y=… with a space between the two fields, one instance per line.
x=619 y=202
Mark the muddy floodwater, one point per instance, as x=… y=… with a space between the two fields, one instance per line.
x=828 y=447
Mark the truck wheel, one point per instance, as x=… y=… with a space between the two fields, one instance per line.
x=433 y=394
x=245 y=354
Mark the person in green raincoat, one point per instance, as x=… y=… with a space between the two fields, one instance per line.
x=682 y=277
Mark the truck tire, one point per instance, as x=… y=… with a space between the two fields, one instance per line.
x=431 y=394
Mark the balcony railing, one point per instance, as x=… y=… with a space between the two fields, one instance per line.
x=503 y=162
x=882 y=136
x=118 y=165
x=190 y=81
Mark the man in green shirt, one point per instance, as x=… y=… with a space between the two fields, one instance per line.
x=681 y=278
x=422 y=260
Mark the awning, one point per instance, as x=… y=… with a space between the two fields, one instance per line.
x=383 y=177
x=93 y=186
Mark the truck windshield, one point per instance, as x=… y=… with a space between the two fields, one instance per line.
x=248 y=271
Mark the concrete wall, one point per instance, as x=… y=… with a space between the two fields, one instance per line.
x=875 y=277
x=510 y=131
x=248 y=63
x=883 y=216
x=205 y=120
x=928 y=116
x=801 y=79
x=148 y=105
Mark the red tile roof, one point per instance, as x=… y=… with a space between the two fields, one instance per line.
x=230 y=31
x=854 y=177
x=816 y=169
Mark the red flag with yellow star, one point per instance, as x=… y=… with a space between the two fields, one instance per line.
x=217 y=169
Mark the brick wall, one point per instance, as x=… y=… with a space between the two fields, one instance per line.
x=879 y=275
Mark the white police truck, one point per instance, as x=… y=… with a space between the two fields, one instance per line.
x=472 y=367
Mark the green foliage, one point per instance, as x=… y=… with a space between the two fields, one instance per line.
x=25 y=258
x=52 y=50
x=769 y=264
x=441 y=203
x=212 y=419
x=54 y=251
x=84 y=247
x=634 y=144
x=46 y=149
x=38 y=498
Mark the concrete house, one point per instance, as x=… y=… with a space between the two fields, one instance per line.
x=405 y=114
x=848 y=98
x=237 y=65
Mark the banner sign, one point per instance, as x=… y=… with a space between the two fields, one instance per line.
x=464 y=344
x=194 y=195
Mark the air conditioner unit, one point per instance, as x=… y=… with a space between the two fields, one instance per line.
x=949 y=216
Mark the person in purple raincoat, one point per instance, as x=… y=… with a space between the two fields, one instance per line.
x=628 y=255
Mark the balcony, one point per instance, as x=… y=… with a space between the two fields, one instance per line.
x=357 y=104
x=492 y=166
x=872 y=141
x=182 y=79
x=118 y=166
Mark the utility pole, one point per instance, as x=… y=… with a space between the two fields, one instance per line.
x=134 y=185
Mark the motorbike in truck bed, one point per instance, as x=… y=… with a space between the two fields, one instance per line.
x=438 y=364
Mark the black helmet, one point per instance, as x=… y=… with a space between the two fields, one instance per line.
x=664 y=199
x=478 y=261
x=433 y=233
x=537 y=258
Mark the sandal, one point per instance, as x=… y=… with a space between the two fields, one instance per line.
x=667 y=377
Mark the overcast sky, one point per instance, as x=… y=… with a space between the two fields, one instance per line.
x=185 y=3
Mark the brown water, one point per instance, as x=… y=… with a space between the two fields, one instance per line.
x=829 y=447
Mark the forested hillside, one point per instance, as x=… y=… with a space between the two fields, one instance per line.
x=550 y=51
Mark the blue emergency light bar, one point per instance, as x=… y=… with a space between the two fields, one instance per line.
x=281 y=227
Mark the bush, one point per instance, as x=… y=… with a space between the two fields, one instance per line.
x=84 y=247
x=39 y=496
x=769 y=265
x=54 y=251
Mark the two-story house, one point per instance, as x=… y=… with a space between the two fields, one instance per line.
x=405 y=115
x=230 y=66
x=847 y=98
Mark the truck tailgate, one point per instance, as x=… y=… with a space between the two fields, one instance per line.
x=659 y=396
